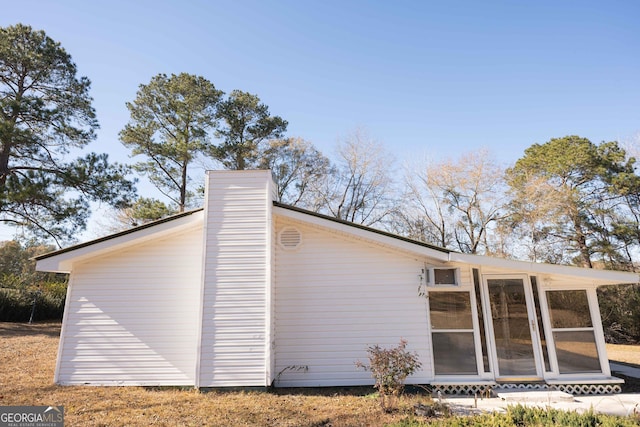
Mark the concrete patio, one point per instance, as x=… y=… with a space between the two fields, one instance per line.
x=623 y=404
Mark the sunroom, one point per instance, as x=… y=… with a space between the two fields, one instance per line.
x=516 y=330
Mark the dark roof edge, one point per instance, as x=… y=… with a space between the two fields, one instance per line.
x=119 y=234
x=361 y=227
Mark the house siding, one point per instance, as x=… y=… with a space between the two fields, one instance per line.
x=132 y=316
x=237 y=277
x=336 y=296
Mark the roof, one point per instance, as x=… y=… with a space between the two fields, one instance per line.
x=381 y=237
x=361 y=227
x=577 y=274
x=119 y=234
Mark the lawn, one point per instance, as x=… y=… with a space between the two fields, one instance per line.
x=27 y=361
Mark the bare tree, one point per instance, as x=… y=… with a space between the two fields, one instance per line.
x=359 y=186
x=454 y=203
x=423 y=216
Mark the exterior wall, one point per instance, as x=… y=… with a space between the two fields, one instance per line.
x=131 y=317
x=235 y=338
x=334 y=298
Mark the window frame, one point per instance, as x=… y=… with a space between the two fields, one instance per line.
x=595 y=328
x=431 y=277
x=474 y=330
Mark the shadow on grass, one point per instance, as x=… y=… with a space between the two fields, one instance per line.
x=355 y=391
x=631 y=384
x=278 y=391
x=50 y=329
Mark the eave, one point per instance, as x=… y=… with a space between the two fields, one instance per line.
x=61 y=261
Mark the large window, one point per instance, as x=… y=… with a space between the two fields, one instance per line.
x=573 y=333
x=454 y=350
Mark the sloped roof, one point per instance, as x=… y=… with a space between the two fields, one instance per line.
x=379 y=236
x=118 y=234
x=361 y=227
x=578 y=274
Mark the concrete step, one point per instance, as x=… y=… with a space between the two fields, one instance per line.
x=534 y=395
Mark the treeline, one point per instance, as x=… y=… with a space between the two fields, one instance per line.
x=25 y=294
x=565 y=201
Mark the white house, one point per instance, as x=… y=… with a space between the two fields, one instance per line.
x=250 y=292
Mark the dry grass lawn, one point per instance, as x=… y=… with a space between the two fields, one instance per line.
x=27 y=362
x=624 y=353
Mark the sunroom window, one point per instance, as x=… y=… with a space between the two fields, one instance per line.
x=454 y=351
x=573 y=332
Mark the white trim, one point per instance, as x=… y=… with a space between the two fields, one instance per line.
x=486 y=319
x=63 y=330
x=548 y=330
x=476 y=329
x=467 y=380
x=587 y=276
x=269 y=333
x=63 y=263
x=594 y=277
x=431 y=275
x=598 y=331
x=536 y=346
x=205 y=228
x=381 y=239
x=586 y=380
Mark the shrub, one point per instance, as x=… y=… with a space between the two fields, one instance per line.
x=17 y=302
x=390 y=368
x=21 y=285
x=620 y=312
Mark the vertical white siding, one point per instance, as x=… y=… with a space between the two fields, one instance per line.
x=334 y=298
x=237 y=277
x=132 y=316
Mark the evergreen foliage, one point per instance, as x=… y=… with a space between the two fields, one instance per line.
x=170 y=122
x=245 y=124
x=45 y=117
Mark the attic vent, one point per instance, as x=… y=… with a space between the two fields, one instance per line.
x=290 y=238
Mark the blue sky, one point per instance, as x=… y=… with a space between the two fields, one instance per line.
x=422 y=77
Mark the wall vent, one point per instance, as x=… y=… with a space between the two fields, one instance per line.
x=289 y=238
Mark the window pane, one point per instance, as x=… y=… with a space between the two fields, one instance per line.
x=444 y=276
x=514 y=345
x=454 y=353
x=450 y=310
x=569 y=309
x=576 y=352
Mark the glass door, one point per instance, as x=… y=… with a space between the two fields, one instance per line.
x=513 y=329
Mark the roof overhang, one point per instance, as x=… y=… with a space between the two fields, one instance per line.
x=359 y=232
x=588 y=276
x=550 y=273
x=62 y=261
